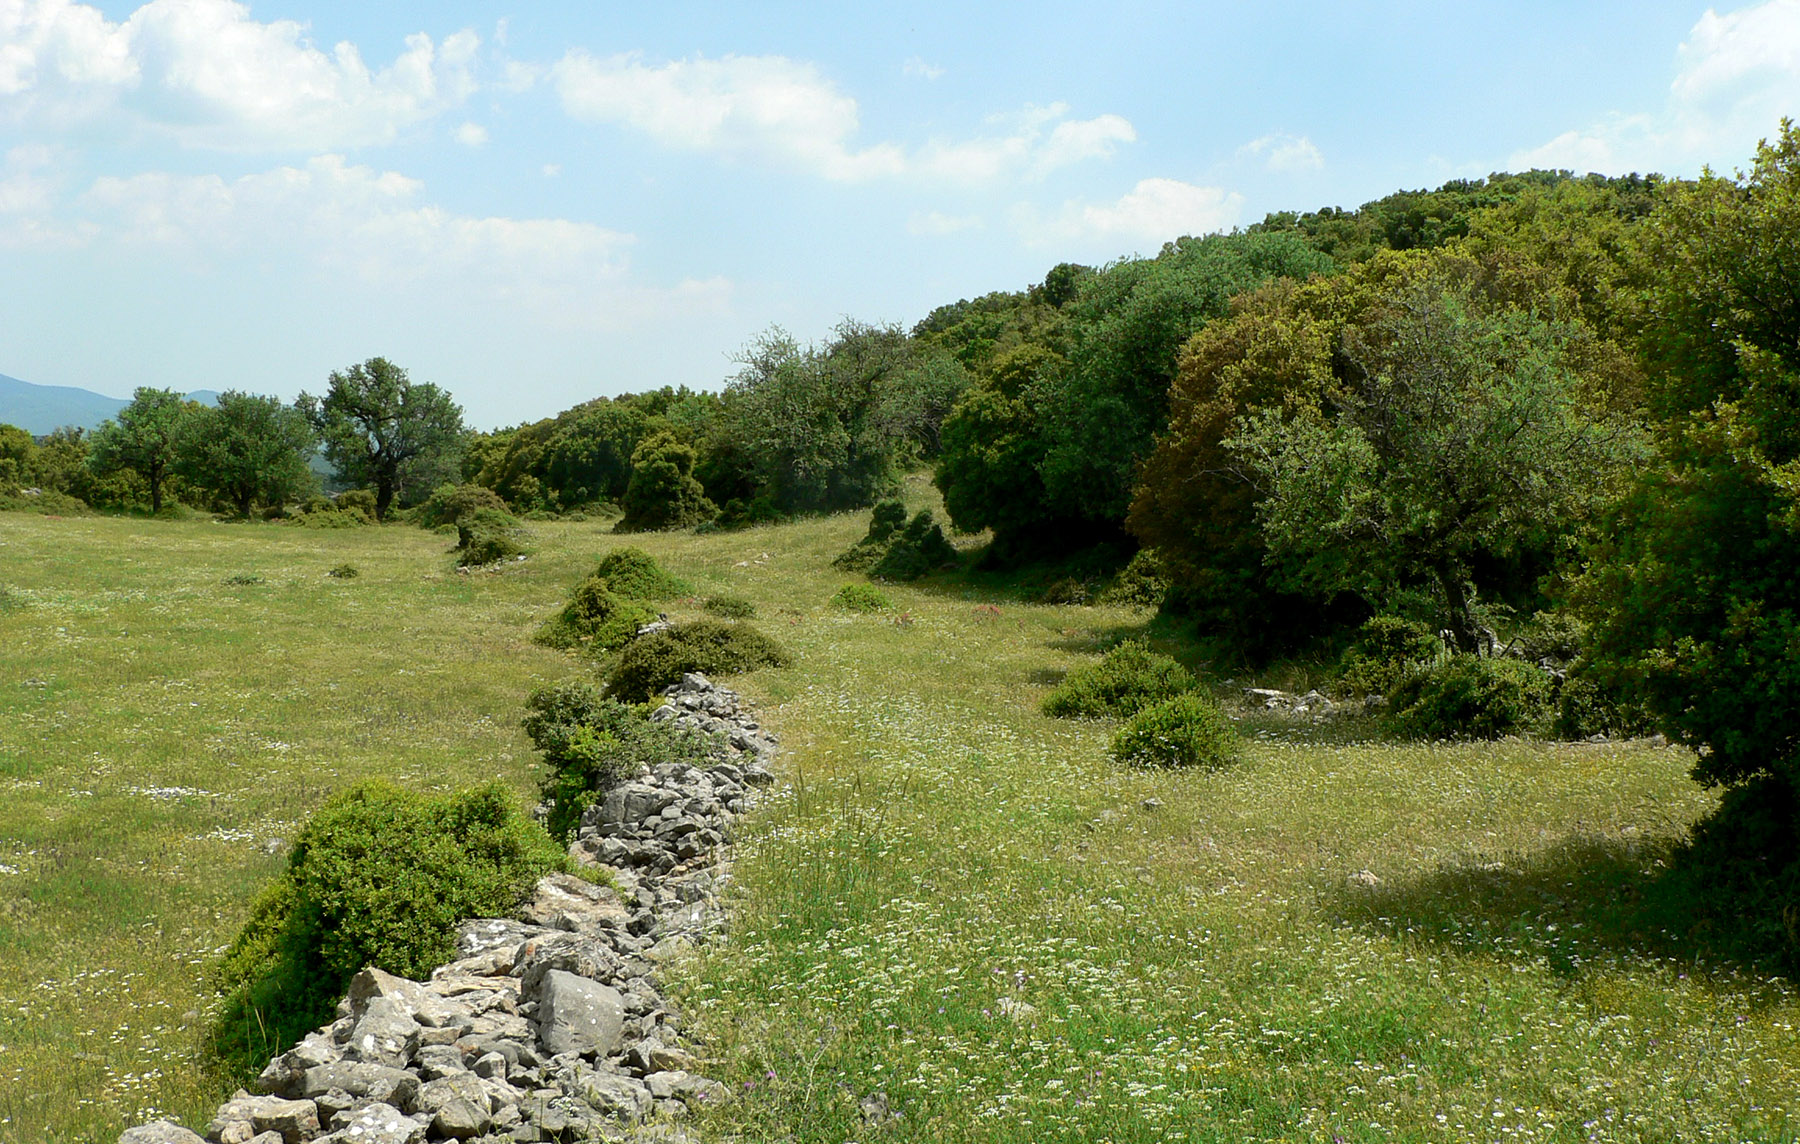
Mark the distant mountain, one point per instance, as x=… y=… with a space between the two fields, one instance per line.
x=39 y=409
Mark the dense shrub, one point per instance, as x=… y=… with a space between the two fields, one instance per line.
x=635 y=575
x=450 y=504
x=379 y=876
x=653 y=662
x=1068 y=591
x=345 y=571
x=595 y=619
x=1386 y=650
x=731 y=607
x=49 y=502
x=1143 y=583
x=1741 y=872
x=860 y=598
x=1187 y=731
x=663 y=492
x=898 y=549
x=1127 y=679
x=591 y=744
x=487 y=536
x=1469 y=697
x=362 y=500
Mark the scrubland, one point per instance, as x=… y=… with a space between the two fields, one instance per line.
x=951 y=900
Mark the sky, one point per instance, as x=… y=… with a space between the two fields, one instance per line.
x=535 y=205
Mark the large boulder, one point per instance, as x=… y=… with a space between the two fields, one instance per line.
x=575 y=1015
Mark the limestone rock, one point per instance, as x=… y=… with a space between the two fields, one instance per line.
x=377 y=1124
x=161 y=1132
x=575 y=1015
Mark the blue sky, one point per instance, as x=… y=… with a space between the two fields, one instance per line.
x=531 y=206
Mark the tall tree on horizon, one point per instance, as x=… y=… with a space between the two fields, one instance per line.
x=383 y=429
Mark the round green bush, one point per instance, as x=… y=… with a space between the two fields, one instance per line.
x=1386 y=650
x=860 y=598
x=450 y=504
x=650 y=663
x=487 y=536
x=595 y=619
x=379 y=876
x=1187 y=731
x=635 y=575
x=1471 y=697
x=1127 y=679
x=731 y=607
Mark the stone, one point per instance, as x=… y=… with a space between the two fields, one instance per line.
x=436 y=1061
x=377 y=1124
x=385 y=1032
x=297 y=1121
x=268 y=1138
x=160 y=1132
x=619 y=1097
x=575 y=1015
x=491 y=1066
x=565 y=902
x=874 y=1109
x=363 y=1080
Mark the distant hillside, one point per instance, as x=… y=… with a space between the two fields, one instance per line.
x=39 y=409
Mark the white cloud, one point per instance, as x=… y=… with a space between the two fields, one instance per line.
x=1286 y=154
x=377 y=228
x=551 y=170
x=471 y=135
x=936 y=224
x=1737 y=75
x=919 y=69
x=1156 y=210
x=206 y=73
x=771 y=108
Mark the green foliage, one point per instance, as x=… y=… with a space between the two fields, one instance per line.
x=487 y=536
x=1694 y=600
x=1461 y=436
x=898 y=549
x=344 y=571
x=352 y=509
x=861 y=598
x=663 y=492
x=635 y=575
x=1471 y=697
x=1126 y=680
x=591 y=744
x=730 y=607
x=824 y=428
x=382 y=430
x=650 y=663
x=245 y=450
x=356 y=500
x=243 y=579
x=1068 y=591
x=47 y=502
x=1387 y=649
x=1741 y=870
x=145 y=439
x=1142 y=583
x=596 y=619
x=18 y=453
x=379 y=876
x=1186 y=731
x=450 y=504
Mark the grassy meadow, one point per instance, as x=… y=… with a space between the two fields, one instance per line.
x=951 y=900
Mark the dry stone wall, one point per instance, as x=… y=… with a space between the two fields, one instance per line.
x=549 y=1026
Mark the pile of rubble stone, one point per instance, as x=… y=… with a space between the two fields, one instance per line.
x=549 y=1026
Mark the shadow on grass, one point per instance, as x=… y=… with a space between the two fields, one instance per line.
x=1588 y=900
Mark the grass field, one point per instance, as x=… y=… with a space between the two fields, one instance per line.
x=953 y=901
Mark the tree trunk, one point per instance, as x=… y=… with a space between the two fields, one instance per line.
x=156 y=479
x=244 y=500
x=1460 y=619
x=384 y=496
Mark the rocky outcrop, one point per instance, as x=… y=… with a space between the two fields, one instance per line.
x=549 y=1026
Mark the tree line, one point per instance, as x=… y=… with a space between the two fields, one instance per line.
x=377 y=428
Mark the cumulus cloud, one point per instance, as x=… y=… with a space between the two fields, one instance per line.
x=1285 y=154
x=919 y=69
x=1156 y=210
x=471 y=135
x=771 y=108
x=378 y=228
x=1737 y=74
x=208 y=74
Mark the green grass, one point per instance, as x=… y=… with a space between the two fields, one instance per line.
x=953 y=900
